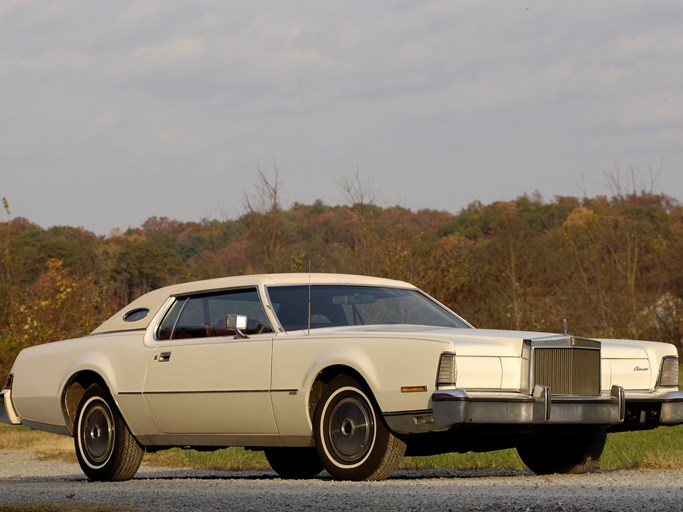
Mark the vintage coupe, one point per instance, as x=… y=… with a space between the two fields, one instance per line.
x=336 y=372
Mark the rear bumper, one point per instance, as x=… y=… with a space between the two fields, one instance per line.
x=458 y=407
x=7 y=413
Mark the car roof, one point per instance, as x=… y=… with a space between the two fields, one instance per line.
x=153 y=300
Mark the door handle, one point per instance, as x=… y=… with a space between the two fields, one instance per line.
x=164 y=357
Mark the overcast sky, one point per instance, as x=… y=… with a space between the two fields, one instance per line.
x=115 y=111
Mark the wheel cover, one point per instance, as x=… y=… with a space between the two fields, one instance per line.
x=96 y=432
x=351 y=429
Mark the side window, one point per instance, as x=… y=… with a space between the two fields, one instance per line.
x=291 y=305
x=340 y=305
x=166 y=328
x=201 y=316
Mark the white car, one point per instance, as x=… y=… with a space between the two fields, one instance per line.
x=336 y=372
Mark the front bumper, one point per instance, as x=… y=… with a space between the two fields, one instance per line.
x=645 y=410
x=7 y=413
x=458 y=407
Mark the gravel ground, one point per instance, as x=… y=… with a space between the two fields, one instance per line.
x=24 y=478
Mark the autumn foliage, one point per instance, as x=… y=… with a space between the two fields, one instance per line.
x=611 y=267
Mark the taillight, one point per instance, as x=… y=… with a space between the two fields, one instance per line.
x=448 y=371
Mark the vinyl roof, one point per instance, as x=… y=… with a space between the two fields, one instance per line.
x=153 y=300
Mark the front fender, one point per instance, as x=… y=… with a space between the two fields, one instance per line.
x=388 y=366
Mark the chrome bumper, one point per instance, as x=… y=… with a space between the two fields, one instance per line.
x=7 y=414
x=650 y=410
x=672 y=408
x=458 y=407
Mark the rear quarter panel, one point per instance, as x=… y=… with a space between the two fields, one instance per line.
x=42 y=372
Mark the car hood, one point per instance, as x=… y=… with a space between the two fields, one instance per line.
x=497 y=342
x=467 y=341
x=634 y=349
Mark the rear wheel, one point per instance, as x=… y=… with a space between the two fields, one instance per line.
x=294 y=462
x=563 y=453
x=105 y=448
x=352 y=441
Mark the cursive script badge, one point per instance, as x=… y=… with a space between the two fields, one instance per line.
x=639 y=369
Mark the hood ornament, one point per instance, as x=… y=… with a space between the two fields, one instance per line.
x=564 y=326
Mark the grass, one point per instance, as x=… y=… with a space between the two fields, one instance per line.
x=661 y=448
x=227 y=459
x=48 y=446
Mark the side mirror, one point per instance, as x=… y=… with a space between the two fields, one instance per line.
x=237 y=323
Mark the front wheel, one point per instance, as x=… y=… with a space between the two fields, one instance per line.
x=563 y=453
x=352 y=441
x=105 y=448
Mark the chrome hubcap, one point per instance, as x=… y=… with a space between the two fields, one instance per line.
x=98 y=433
x=351 y=429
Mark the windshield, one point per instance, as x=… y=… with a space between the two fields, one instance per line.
x=338 y=305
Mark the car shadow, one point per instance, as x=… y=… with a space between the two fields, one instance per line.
x=417 y=474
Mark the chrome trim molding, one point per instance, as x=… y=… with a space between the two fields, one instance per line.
x=7 y=412
x=203 y=392
x=226 y=440
x=619 y=393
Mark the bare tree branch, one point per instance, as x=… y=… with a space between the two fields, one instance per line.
x=265 y=198
x=357 y=189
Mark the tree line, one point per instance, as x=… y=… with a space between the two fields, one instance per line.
x=611 y=266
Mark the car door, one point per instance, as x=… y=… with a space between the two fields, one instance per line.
x=206 y=379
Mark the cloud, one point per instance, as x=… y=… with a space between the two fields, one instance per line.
x=611 y=75
x=174 y=52
x=55 y=60
x=650 y=46
x=102 y=122
x=412 y=91
x=657 y=110
x=8 y=6
x=138 y=13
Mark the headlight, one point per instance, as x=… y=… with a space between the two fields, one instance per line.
x=668 y=375
x=448 y=371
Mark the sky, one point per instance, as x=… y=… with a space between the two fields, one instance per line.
x=114 y=112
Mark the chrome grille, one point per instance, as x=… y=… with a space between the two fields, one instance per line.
x=568 y=370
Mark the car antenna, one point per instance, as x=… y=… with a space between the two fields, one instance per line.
x=309 y=297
